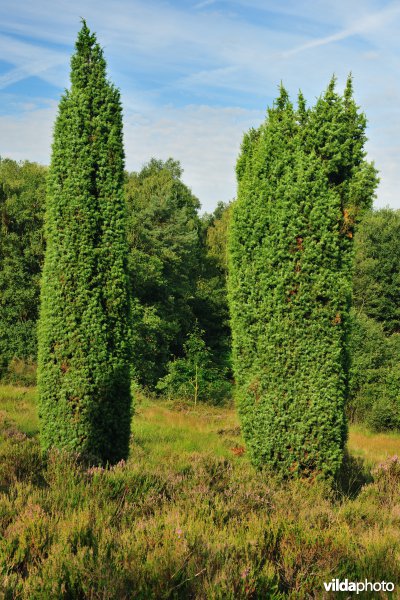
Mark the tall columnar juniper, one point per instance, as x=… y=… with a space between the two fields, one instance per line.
x=84 y=384
x=303 y=183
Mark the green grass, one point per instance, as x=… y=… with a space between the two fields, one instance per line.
x=173 y=436
x=18 y=404
x=186 y=516
x=373 y=447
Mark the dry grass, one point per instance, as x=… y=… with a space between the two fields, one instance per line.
x=373 y=447
x=18 y=404
x=186 y=517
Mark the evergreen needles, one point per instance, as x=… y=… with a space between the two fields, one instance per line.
x=302 y=184
x=83 y=375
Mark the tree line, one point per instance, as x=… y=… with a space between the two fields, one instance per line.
x=176 y=269
x=161 y=331
x=134 y=283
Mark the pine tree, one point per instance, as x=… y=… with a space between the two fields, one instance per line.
x=290 y=280
x=83 y=376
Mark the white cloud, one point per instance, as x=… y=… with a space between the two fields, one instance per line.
x=28 y=135
x=205 y=139
x=158 y=53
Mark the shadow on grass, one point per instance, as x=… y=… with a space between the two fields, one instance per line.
x=352 y=477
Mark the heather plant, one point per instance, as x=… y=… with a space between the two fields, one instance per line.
x=185 y=517
x=303 y=183
x=84 y=382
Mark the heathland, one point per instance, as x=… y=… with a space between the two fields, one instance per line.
x=260 y=346
x=187 y=516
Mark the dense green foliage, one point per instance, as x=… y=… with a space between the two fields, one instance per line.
x=302 y=185
x=164 y=241
x=84 y=380
x=377 y=268
x=22 y=190
x=375 y=342
x=211 y=302
x=176 y=283
x=195 y=376
x=374 y=375
x=217 y=235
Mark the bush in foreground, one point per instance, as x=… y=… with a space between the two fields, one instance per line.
x=303 y=183
x=83 y=375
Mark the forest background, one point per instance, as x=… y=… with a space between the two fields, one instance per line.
x=178 y=269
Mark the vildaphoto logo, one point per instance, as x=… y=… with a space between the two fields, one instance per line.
x=358 y=586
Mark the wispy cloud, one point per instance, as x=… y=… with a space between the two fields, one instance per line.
x=186 y=73
x=20 y=73
x=361 y=26
x=204 y=4
x=30 y=60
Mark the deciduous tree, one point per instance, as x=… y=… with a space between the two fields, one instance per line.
x=22 y=193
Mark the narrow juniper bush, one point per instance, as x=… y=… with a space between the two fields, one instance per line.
x=83 y=376
x=303 y=183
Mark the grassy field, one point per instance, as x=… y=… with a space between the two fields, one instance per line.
x=187 y=516
x=373 y=447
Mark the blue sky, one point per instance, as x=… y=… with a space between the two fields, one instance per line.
x=194 y=75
